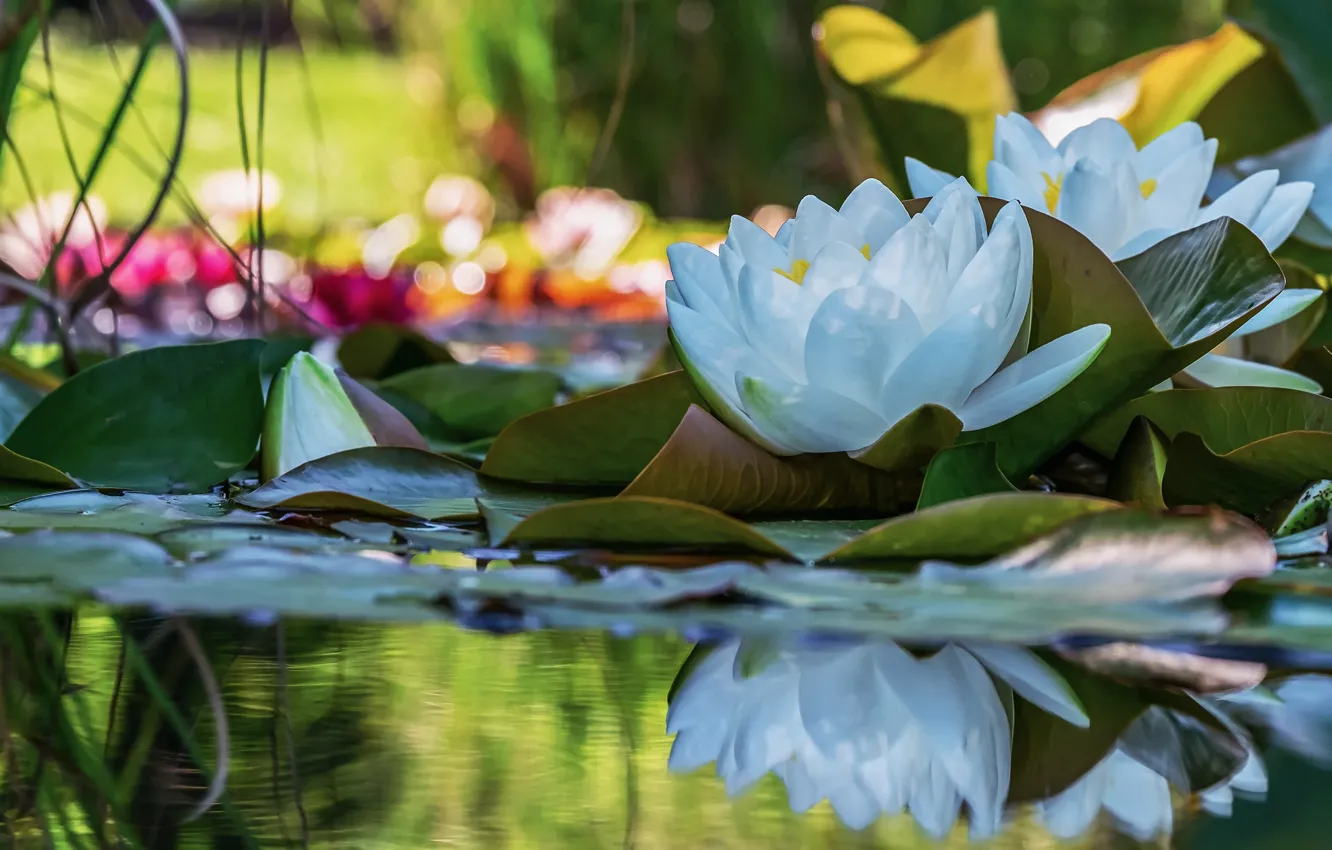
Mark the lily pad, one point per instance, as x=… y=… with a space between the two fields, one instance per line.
x=16 y=467
x=604 y=439
x=961 y=472
x=380 y=480
x=476 y=401
x=911 y=443
x=640 y=521
x=706 y=463
x=176 y=418
x=89 y=510
x=1251 y=478
x=198 y=540
x=1225 y=417
x=378 y=350
x=977 y=527
x=79 y=561
x=1139 y=466
x=1198 y=286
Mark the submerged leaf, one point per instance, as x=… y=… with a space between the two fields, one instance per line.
x=381 y=480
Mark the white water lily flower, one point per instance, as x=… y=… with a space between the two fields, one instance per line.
x=30 y=233
x=308 y=416
x=1126 y=200
x=868 y=726
x=1310 y=159
x=821 y=338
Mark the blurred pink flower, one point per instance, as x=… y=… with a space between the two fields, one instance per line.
x=582 y=229
x=347 y=298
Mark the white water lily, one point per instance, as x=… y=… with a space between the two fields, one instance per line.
x=308 y=416
x=1126 y=200
x=1309 y=159
x=869 y=726
x=821 y=338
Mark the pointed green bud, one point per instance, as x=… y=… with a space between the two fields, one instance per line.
x=314 y=411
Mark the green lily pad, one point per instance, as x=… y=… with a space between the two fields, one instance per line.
x=604 y=439
x=79 y=560
x=504 y=509
x=1250 y=479
x=977 y=527
x=447 y=539
x=193 y=541
x=176 y=418
x=1225 y=417
x=639 y=521
x=1281 y=343
x=809 y=539
x=912 y=442
x=380 y=480
x=961 y=472
x=1139 y=466
x=17 y=399
x=1166 y=308
x=706 y=463
x=89 y=510
x=476 y=401
x=15 y=467
x=378 y=350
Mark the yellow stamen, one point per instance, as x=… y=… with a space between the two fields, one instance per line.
x=1148 y=187
x=866 y=250
x=1053 y=185
x=797 y=272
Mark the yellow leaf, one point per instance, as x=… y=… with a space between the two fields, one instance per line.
x=1156 y=91
x=863 y=45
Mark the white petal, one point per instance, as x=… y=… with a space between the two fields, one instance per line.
x=996 y=285
x=1288 y=303
x=935 y=208
x=1138 y=798
x=817 y=224
x=774 y=317
x=925 y=181
x=783 y=235
x=857 y=338
x=1103 y=141
x=1282 y=212
x=836 y=267
x=808 y=419
x=1023 y=150
x=1032 y=679
x=1216 y=370
x=1033 y=378
x=1179 y=189
x=961 y=224
x=914 y=264
x=1096 y=201
x=1003 y=182
x=752 y=244
x=1163 y=151
x=1244 y=201
x=938 y=371
x=699 y=280
x=875 y=211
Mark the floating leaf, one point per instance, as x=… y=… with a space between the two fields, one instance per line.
x=378 y=350
x=639 y=521
x=961 y=472
x=605 y=439
x=1250 y=479
x=475 y=401
x=970 y=528
x=163 y=419
x=15 y=467
x=89 y=510
x=706 y=463
x=79 y=561
x=196 y=540
x=810 y=540
x=384 y=481
x=1307 y=510
x=1139 y=466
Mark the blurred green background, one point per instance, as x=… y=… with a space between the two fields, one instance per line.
x=368 y=100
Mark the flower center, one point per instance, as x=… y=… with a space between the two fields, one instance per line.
x=1053 y=185
x=797 y=272
x=1148 y=187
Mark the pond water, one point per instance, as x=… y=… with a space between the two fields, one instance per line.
x=379 y=735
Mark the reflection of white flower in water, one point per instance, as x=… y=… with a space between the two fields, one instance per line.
x=1126 y=200
x=822 y=338
x=870 y=727
x=1296 y=714
x=26 y=238
x=464 y=209
x=582 y=229
x=235 y=194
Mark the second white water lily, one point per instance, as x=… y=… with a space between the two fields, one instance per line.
x=821 y=338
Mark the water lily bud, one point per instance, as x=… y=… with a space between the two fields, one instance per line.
x=314 y=411
x=825 y=336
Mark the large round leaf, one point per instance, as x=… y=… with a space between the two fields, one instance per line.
x=604 y=439
x=475 y=401
x=177 y=418
x=381 y=480
x=1250 y=478
x=378 y=350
